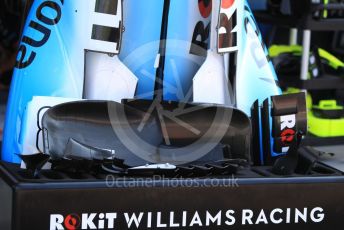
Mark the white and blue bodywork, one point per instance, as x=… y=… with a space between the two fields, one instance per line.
x=58 y=34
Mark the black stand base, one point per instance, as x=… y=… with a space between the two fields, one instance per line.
x=249 y=200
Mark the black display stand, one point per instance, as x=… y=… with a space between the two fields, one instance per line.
x=86 y=201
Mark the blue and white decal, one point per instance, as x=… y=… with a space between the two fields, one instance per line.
x=51 y=56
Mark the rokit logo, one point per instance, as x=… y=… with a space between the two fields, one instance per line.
x=229 y=28
x=199 y=44
x=228 y=34
x=255 y=39
x=86 y=221
x=287 y=132
x=42 y=28
x=289 y=123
